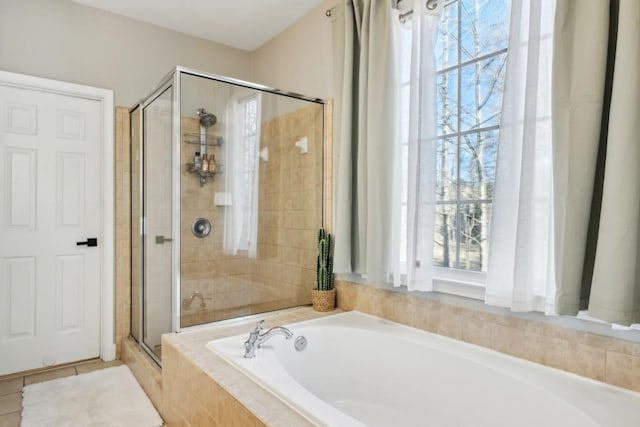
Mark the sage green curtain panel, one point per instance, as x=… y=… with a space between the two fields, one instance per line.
x=584 y=108
x=365 y=135
x=579 y=67
x=615 y=287
x=344 y=71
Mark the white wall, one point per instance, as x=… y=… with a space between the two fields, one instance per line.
x=62 y=40
x=300 y=58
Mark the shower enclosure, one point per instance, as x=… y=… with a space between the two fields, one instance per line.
x=227 y=195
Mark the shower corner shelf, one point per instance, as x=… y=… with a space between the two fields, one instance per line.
x=197 y=139
x=191 y=168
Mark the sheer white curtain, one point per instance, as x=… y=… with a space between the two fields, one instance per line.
x=414 y=195
x=242 y=213
x=520 y=273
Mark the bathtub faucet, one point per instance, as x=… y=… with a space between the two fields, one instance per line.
x=256 y=338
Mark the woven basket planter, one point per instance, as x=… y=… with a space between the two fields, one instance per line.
x=323 y=300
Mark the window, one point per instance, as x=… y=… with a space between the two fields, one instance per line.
x=249 y=137
x=470 y=60
x=241 y=170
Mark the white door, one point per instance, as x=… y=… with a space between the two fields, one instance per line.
x=50 y=199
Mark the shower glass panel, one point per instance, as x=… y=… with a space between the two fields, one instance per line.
x=261 y=193
x=227 y=197
x=157 y=190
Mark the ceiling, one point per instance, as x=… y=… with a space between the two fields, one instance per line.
x=244 y=24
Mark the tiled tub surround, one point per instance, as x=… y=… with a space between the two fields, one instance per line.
x=353 y=360
x=603 y=358
x=202 y=389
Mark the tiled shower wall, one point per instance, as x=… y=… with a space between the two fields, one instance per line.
x=289 y=206
x=223 y=280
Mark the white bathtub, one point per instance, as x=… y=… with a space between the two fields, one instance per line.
x=359 y=370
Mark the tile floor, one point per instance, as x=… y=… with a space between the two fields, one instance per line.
x=11 y=388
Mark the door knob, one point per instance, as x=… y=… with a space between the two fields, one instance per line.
x=92 y=241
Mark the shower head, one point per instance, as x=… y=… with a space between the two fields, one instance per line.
x=206 y=119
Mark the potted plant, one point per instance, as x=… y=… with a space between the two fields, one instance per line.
x=323 y=297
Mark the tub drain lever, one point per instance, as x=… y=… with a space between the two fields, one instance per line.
x=300 y=343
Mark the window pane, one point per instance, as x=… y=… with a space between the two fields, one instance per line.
x=447 y=40
x=484 y=27
x=478 y=153
x=444 y=238
x=481 y=97
x=474 y=221
x=446 y=169
x=405 y=53
x=447 y=108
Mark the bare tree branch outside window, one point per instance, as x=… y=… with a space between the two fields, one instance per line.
x=470 y=57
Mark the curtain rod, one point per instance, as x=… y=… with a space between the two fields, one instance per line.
x=431 y=5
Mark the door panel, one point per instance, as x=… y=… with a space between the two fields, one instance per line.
x=20 y=194
x=20 y=280
x=71 y=191
x=70 y=293
x=50 y=192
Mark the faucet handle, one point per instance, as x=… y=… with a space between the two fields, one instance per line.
x=259 y=327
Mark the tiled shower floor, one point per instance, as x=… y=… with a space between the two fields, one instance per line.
x=11 y=388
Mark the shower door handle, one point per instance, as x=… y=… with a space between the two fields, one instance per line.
x=161 y=239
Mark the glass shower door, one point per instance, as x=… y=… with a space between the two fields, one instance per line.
x=157 y=241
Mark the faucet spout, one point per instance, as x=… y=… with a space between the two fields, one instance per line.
x=257 y=338
x=276 y=330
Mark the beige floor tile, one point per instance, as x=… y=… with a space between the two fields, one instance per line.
x=50 y=375
x=12 y=385
x=10 y=403
x=10 y=420
x=94 y=366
